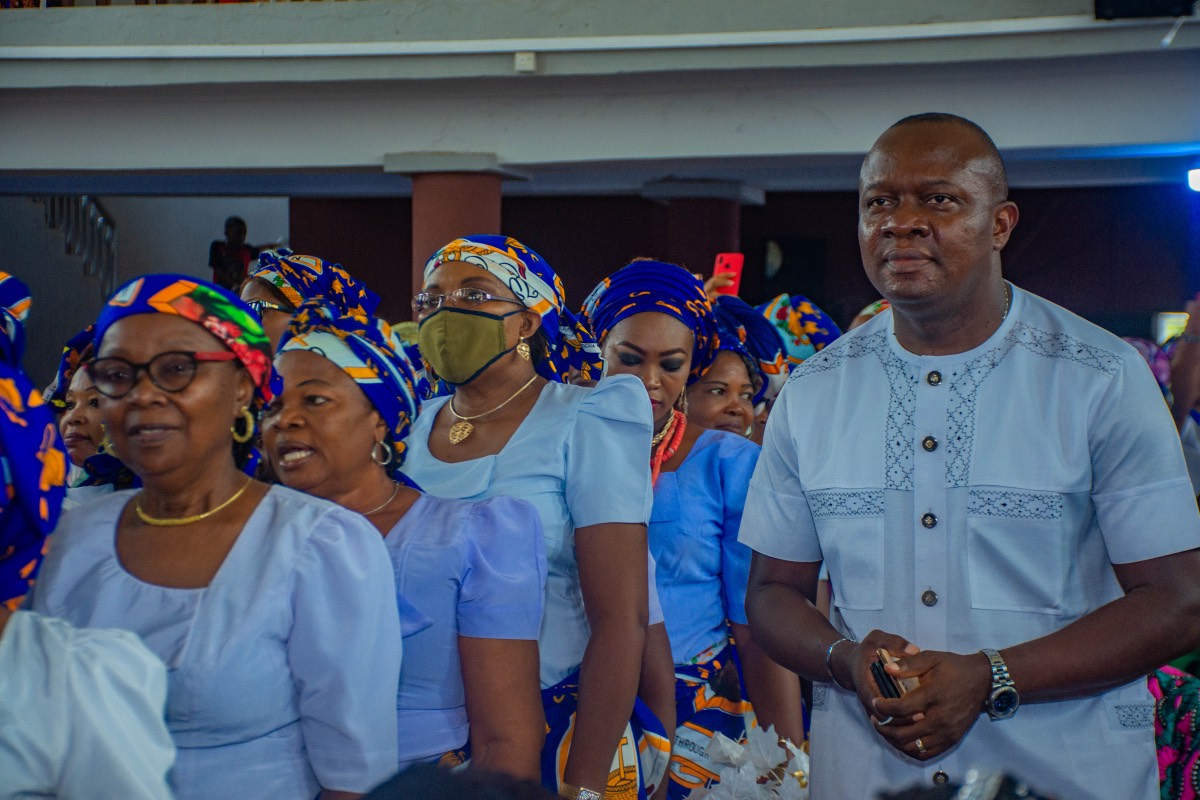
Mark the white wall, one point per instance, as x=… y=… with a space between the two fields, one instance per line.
x=155 y=234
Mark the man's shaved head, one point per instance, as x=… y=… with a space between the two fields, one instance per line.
x=994 y=163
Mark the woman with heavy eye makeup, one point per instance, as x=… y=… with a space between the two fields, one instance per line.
x=653 y=321
x=243 y=590
x=470 y=575
x=493 y=325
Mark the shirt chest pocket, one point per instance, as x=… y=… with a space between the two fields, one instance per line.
x=1016 y=550
x=850 y=530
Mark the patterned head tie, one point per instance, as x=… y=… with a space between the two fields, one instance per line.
x=33 y=460
x=76 y=351
x=530 y=278
x=369 y=353
x=655 y=286
x=806 y=329
x=746 y=332
x=217 y=310
x=300 y=278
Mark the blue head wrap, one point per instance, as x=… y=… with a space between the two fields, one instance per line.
x=14 y=308
x=77 y=350
x=536 y=285
x=33 y=460
x=300 y=278
x=746 y=332
x=806 y=329
x=372 y=356
x=655 y=286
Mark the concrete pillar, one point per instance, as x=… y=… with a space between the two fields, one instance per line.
x=446 y=205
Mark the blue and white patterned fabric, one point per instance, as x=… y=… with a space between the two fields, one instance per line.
x=977 y=500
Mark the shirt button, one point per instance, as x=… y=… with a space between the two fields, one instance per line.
x=929 y=443
x=940 y=778
x=929 y=597
x=928 y=520
x=933 y=378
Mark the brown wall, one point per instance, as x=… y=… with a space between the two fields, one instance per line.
x=1114 y=255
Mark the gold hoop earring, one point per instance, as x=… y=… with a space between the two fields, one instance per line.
x=241 y=437
x=523 y=349
x=388 y=453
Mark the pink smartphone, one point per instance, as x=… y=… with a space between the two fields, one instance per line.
x=730 y=263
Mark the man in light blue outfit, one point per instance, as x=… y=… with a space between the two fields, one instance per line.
x=997 y=490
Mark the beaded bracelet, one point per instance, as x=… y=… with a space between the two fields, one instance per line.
x=829 y=662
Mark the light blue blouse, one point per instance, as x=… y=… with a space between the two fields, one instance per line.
x=581 y=457
x=81 y=713
x=462 y=569
x=272 y=692
x=702 y=568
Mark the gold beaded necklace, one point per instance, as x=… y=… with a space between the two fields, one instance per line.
x=163 y=522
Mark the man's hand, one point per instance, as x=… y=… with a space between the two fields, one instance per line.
x=851 y=664
x=942 y=709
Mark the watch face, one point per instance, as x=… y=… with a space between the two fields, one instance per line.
x=1004 y=702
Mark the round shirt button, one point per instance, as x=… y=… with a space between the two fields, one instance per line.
x=933 y=378
x=929 y=443
x=929 y=597
x=939 y=778
x=928 y=520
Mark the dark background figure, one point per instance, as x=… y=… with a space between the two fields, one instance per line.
x=230 y=259
x=434 y=783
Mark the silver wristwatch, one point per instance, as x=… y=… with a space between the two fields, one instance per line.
x=1002 y=700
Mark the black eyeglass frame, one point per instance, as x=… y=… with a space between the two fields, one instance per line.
x=259 y=306
x=459 y=296
x=197 y=357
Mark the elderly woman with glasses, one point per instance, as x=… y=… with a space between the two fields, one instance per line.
x=241 y=589
x=494 y=325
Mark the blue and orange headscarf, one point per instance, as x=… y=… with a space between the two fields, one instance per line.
x=372 y=356
x=300 y=278
x=806 y=329
x=219 y=311
x=33 y=460
x=746 y=332
x=77 y=350
x=536 y=285
x=655 y=286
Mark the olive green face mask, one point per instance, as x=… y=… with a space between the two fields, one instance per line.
x=460 y=343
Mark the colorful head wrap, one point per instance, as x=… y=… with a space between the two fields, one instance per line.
x=77 y=350
x=806 y=329
x=367 y=351
x=536 y=285
x=655 y=286
x=873 y=310
x=33 y=460
x=217 y=310
x=1157 y=358
x=745 y=331
x=14 y=309
x=300 y=278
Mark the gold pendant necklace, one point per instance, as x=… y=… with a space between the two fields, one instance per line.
x=460 y=430
x=169 y=522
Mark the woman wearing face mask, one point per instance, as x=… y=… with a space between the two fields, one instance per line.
x=244 y=590
x=654 y=321
x=749 y=368
x=282 y=280
x=470 y=576
x=494 y=326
